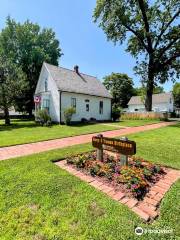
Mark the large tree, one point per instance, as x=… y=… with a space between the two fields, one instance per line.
x=121 y=88
x=28 y=46
x=12 y=84
x=152 y=33
x=176 y=94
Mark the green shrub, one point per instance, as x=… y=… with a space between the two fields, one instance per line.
x=95 y=169
x=164 y=117
x=43 y=117
x=68 y=113
x=80 y=162
x=116 y=112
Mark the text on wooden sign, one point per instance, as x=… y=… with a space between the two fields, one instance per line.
x=125 y=147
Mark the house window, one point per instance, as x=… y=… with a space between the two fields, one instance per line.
x=87 y=100
x=101 y=107
x=87 y=107
x=46 y=85
x=136 y=110
x=73 y=103
x=46 y=104
x=170 y=100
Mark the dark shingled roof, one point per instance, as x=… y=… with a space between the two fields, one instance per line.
x=156 y=98
x=69 y=81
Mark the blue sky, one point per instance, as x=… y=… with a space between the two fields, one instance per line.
x=82 y=42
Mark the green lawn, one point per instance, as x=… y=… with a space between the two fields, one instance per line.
x=135 y=123
x=40 y=201
x=24 y=131
x=160 y=145
x=28 y=131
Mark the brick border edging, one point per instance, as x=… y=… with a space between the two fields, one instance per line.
x=148 y=208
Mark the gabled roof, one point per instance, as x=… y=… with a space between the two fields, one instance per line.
x=70 y=81
x=156 y=98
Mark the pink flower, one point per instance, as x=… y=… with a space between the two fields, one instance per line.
x=116 y=175
x=134 y=186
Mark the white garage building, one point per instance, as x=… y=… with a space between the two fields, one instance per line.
x=162 y=102
x=59 y=88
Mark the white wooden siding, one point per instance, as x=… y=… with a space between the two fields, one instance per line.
x=81 y=106
x=158 y=107
x=52 y=94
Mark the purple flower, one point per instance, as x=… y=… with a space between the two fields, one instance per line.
x=116 y=169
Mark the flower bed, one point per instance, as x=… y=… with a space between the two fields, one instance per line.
x=134 y=179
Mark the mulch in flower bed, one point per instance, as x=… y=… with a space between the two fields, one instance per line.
x=134 y=180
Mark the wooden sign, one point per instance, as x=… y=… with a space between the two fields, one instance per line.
x=125 y=147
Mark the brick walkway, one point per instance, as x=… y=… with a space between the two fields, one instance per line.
x=148 y=208
x=31 y=148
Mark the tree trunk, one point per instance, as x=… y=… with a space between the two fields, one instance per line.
x=6 y=116
x=5 y=107
x=149 y=88
x=30 y=113
x=148 y=99
x=31 y=107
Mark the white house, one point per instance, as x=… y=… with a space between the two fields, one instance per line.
x=162 y=102
x=59 y=88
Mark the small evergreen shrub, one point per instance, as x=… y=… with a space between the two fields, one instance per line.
x=68 y=113
x=43 y=117
x=116 y=112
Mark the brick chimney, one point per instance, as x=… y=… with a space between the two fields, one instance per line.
x=76 y=69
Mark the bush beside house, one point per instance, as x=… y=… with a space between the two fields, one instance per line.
x=43 y=117
x=116 y=113
x=68 y=113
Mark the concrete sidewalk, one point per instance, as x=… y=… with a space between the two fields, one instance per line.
x=31 y=148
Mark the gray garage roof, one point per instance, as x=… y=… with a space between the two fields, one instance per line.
x=71 y=81
x=156 y=98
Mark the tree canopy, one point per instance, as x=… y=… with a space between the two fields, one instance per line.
x=138 y=91
x=12 y=84
x=152 y=33
x=176 y=94
x=121 y=88
x=28 y=46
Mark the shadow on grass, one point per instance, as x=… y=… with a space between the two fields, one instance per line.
x=81 y=124
x=26 y=123
x=17 y=124
x=175 y=125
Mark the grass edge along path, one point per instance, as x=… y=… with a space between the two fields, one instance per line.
x=27 y=149
x=30 y=132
